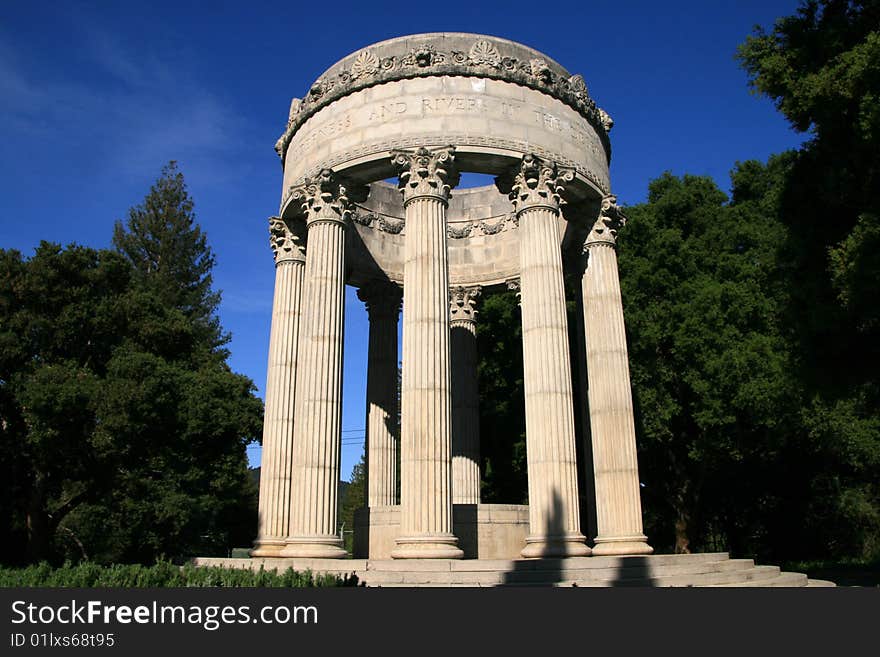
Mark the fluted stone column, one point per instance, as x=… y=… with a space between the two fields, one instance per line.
x=465 y=396
x=382 y=300
x=317 y=431
x=615 y=464
x=554 y=524
x=426 y=178
x=275 y=466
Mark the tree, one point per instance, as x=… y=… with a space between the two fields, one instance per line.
x=171 y=255
x=709 y=365
x=353 y=497
x=59 y=314
x=123 y=429
x=822 y=69
x=502 y=401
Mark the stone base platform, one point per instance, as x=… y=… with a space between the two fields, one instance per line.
x=661 y=570
x=484 y=531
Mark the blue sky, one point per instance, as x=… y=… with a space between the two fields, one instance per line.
x=95 y=97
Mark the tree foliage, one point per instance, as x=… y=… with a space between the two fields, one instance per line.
x=170 y=253
x=822 y=69
x=123 y=429
x=709 y=360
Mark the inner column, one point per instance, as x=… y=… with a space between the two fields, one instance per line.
x=425 y=180
x=465 y=396
x=382 y=300
x=535 y=189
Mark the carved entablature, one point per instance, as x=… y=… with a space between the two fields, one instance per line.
x=378 y=221
x=287 y=241
x=480 y=227
x=611 y=219
x=463 y=302
x=382 y=299
x=535 y=182
x=486 y=57
x=424 y=172
x=328 y=197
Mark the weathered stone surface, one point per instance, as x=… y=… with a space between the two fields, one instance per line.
x=383 y=300
x=612 y=427
x=420 y=110
x=426 y=440
x=275 y=480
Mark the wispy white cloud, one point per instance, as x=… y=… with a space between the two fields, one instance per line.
x=129 y=115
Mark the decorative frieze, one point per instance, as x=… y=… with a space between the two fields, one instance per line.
x=381 y=222
x=484 y=59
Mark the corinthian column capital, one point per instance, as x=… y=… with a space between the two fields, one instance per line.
x=426 y=172
x=382 y=299
x=287 y=241
x=535 y=182
x=611 y=219
x=328 y=197
x=462 y=303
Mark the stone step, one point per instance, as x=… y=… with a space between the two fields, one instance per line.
x=435 y=565
x=679 y=575
x=780 y=580
x=819 y=583
x=670 y=570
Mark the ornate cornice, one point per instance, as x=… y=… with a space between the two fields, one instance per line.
x=417 y=56
x=462 y=303
x=328 y=197
x=382 y=299
x=424 y=172
x=287 y=241
x=535 y=183
x=611 y=219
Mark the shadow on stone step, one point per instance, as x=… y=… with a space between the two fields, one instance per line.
x=633 y=571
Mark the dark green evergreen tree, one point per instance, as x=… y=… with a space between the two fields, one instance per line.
x=171 y=255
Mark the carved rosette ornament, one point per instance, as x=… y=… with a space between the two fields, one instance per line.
x=535 y=183
x=611 y=219
x=286 y=240
x=462 y=303
x=365 y=64
x=426 y=172
x=328 y=197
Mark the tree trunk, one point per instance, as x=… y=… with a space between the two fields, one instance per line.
x=682 y=540
x=39 y=528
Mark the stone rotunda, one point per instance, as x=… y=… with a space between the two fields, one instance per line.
x=421 y=110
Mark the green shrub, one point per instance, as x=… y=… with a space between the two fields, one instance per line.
x=162 y=575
